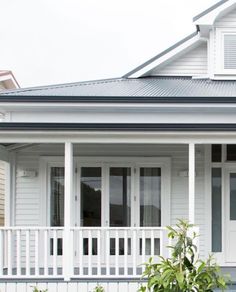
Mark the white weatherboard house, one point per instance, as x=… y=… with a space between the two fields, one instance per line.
x=96 y=170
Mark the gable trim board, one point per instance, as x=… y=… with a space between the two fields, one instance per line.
x=208 y=10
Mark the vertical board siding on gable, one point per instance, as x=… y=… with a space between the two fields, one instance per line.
x=192 y=63
x=2 y=192
x=28 y=189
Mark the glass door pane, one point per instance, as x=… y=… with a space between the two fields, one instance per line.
x=57 y=196
x=90 y=189
x=150 y=196
x=56 y=205
x=120 y=196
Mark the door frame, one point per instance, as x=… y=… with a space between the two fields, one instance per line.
x=228 y=169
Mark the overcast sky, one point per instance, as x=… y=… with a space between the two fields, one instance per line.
x=58 y=41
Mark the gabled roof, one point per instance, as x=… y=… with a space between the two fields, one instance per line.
x=9 y=79
x=158 y=56
x=208 y=10
x=122 y=89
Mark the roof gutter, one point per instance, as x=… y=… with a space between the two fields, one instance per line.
x=117 y=99
x=115 y=127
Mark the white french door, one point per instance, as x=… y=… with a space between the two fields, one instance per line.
x=123 y=194
x=116 y=193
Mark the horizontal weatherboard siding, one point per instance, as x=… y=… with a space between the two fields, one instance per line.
x=193 y=63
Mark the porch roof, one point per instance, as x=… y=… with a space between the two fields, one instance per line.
x=136 y=89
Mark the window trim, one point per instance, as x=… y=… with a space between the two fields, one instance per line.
x=219 y=50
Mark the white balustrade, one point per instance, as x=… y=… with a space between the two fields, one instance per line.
x=98 y=252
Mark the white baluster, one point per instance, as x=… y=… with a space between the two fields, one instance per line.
x=99 y=252
x=18 y=252
x=89 y=253
x=116 y=253
x=152 y=243
x=36 y=252
x=107 y=250
x=1 y=252
x=134 y=251
x=54 y=252
x=46 y=252
x=126 y=252
x=27 y=252
x=9 y=252
x=143 y=248
x=81 y=251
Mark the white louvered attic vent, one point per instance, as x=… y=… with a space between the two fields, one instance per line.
x=230 y=51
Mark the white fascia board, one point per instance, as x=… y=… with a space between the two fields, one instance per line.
x=68 y=108
x=209 y=18
x=191 y=43
x=129 y=137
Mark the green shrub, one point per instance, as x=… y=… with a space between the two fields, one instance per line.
x=35 y=289
x=98 y=288
x=184 y=271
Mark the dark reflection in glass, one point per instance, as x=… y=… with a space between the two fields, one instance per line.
x=233 y=196
x=57 y=196
x=120 y=196
x=216 y=150
x=150 y=196
x=216 y=210
x=231 y=152
x=90 y=186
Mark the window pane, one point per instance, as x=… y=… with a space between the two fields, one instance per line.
x=216 y=210
x=150 y=196
x=90 y=186
x=233 y=196
x=231 y=152
x=120 y=196
x=57 y=196
x=216 y=153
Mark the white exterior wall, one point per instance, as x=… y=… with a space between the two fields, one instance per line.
x=228 y=20
x=2 y=192
x=193 y=63
x=27 y=210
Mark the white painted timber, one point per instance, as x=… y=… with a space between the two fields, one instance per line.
x=192 y=63
x=67 y=242
x=77 y=286
x=2 y=192
x=227 y=20
x=191 y=183
x=131 y=114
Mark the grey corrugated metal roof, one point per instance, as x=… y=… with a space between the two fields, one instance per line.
x=209 y=9
x=139 y=87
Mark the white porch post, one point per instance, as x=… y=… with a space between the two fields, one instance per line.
x=191 y=183
x=67 y=242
